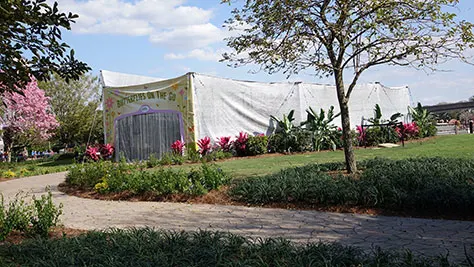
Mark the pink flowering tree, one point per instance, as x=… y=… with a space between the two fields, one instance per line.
x=27 y=118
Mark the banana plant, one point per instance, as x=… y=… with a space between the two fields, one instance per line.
x=285 y=125
x=322 y=130
x=286 y=128
x=376 y=120
x=423 y=119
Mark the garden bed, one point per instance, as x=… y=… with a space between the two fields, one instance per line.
x=203 y=248
x=421 y=187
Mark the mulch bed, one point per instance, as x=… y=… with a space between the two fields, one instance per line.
x=58 y=232
x=220 y=197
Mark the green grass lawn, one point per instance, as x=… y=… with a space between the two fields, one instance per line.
x=451 y=146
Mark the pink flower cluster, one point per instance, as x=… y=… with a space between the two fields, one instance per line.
x=99 y=151
x=410 y=130
x=204 y=145
x=30 y=112
x=361 y=132
x=178 y=147
x=240 y=144
x=225 y=143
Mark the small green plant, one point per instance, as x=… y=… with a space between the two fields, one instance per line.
x=257 y=145
x=45 y=215
x=153 y=161
x=34 y=219
x=324 y=133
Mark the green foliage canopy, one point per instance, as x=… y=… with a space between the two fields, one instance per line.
x=30 y=43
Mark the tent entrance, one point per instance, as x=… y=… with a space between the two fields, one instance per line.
x=140 y=135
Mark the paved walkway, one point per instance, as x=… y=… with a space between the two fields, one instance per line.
x=424 y=236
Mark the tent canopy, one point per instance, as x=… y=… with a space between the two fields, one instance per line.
x=143 y=112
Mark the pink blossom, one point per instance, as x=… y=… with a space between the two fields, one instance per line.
x=30 y=113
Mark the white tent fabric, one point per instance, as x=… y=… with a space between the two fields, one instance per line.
x=117 y=79
x=209 y=106
x=225 y=107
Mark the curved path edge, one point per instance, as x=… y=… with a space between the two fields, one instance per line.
x=428 y=237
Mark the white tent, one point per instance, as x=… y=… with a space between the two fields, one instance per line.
x=145 y=115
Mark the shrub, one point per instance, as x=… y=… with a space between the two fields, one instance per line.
x=148 y=247
x=35 y=219
x=373 y=136
x=225 y=143
x=178 y=147
x=192 y=154
x=306 y=184
x=45 y=215
x=298 y=141
x=106 y=151
x=240 y=144
x=204 y=145
x=152 y=161
x=8 y=174
x=165 y=181
x=86 y=176
x=416 y=185
x=92 y=153
x=257 y=145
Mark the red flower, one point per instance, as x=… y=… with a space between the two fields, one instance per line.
x=240 y=143
x=225 y=143
x=106 y=150
x=204 y=145
x=178 y=147
x=92 y=153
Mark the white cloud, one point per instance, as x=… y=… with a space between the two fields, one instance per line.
x=167 y=22
x=206 y=54
x=188 y=37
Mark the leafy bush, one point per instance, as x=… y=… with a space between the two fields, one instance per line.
x=324 y=133
x=435 y=184
x=225 y=144
x=204 y=145
x=240 y=144
x=153 y=161
x=117 y=247
x=306 y=184
x=257 y=145
x=178 y=147
x=374 y=136
x=35 y=219
x=438 y=184
x=87 y=175
x=165 y=181
x=105 y=177
x=298 y=141
x=45 y=215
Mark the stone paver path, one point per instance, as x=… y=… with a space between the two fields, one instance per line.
x=424 y=236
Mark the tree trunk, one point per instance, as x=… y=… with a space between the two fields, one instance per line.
x=8 y=150
x=346 y=123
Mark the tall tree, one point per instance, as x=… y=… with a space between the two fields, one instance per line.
x=31 y=46
x=331 y=36
x=27 y=118
x=75 y=105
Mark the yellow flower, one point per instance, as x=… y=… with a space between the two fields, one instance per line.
x=9 y=174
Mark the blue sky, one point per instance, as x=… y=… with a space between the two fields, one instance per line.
x=167 y=38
